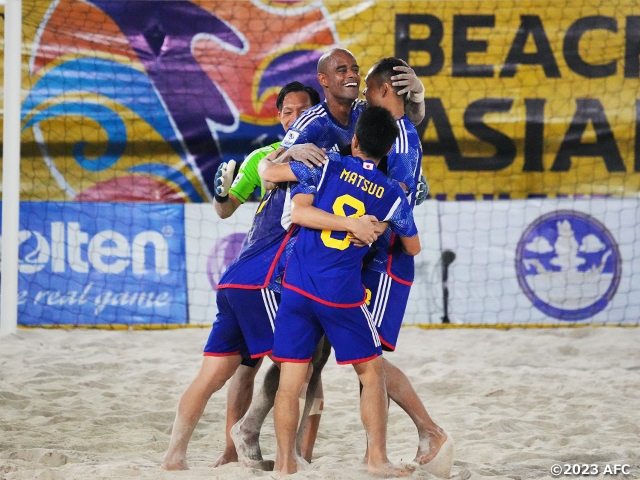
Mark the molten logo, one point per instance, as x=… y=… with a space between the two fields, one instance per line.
x=107 y=251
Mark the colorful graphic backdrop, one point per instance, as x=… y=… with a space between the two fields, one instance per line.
x=141 y=100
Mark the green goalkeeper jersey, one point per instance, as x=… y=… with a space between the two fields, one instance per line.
x=248 y=179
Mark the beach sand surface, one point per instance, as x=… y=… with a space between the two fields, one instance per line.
x=91 y=404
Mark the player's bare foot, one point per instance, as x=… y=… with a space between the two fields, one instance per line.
x=228 y=456
x=292 y=466
x=174 y=462
x=388 y=469
x=441 y=464
x=248 y=448
x=429 y=445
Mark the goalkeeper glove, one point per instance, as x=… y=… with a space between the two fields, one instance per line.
x=422 y=190
x=223 y=180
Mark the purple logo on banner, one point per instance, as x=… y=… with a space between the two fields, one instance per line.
x=223 y=254
x=568 y=265
x=98 y=263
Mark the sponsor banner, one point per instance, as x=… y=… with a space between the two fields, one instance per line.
x=538 y=98
x=96 y=263
x=211 y=245
x=534 y=99
x=543 y=261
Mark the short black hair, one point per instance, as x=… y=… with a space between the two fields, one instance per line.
x=383 y=70
x=376 y=130
x=314 y=96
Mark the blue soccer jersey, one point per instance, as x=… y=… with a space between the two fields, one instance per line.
x=319 y=127
x=260 y=260
x=403 y=165
x=324 y=265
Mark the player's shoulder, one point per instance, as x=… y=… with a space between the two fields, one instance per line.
x=408 y=138
x=260 y=153
x=389 y=183
x=314 y=114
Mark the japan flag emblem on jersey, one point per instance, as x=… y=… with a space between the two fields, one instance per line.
x=367 y=166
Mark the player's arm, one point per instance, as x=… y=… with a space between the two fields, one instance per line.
x=402 y=222
x=304 y=213
x=411 y=245
x=275 y=172
x=413 y=87
x=226 y=209
x=225 y=203
x=306 y=153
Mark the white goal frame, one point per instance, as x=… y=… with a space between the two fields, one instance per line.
x=11 y=165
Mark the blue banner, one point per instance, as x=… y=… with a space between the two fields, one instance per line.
x=101 y=263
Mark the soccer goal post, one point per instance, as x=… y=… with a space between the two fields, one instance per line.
x=11 y=164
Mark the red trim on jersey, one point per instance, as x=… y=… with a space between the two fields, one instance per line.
x=290 y=360
x=271 y=269
x=263 y=354
x=359 y=360
x=386 y=344
x=320 y=300
x=239 y=286
x=390 y=259
x=229 y=354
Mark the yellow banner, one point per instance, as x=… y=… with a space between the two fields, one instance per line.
x=523 y=99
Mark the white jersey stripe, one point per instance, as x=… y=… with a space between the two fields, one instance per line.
x=307 y=117
x=381 y=299
x=385 y=299
x=394 y=207
x=402 y=142
x=269 y=305
x=374 y=332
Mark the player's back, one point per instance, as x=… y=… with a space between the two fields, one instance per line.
x=258 y=259
x=403 y=164
x=318 y=126
x=325 y=265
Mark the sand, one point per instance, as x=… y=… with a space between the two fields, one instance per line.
x=86 y=404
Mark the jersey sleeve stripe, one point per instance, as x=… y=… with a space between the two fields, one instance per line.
x=308 y=116
x=402 y=142
x=393 y=209
x=324 y=171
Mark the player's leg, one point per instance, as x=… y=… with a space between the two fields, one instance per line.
x=388 y=303
x=431 y=438
x=286 y=414
x=239 y=395
x=213 y=374
x=296 y=335
x=356 y=341
x=314 y=401
x=254 y=311
x=246 y=432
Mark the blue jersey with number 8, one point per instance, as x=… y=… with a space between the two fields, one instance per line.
x=324 y=265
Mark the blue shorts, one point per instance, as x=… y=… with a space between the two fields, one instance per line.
x=387 y=306
x=301 y=322
x=244 y=324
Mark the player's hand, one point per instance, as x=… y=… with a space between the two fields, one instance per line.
x=410 y=82
x=422 y=190
x=363 y=230
x=224 y=178
x=380 y=227
x=308 y=154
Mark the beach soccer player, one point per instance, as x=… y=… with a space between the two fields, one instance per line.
x=231 y=192
x=323 y=293
x=389 y=272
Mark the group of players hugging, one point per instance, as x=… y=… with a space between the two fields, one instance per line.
x=338 y=196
